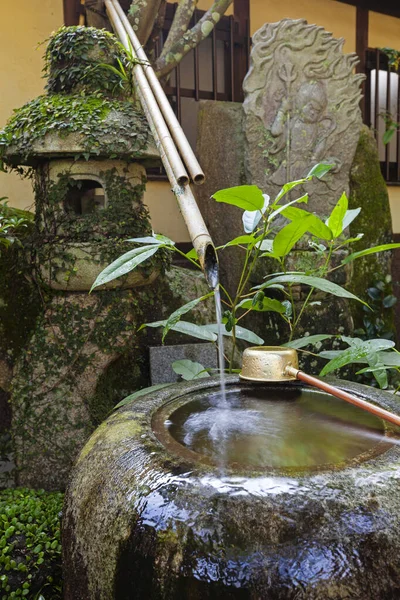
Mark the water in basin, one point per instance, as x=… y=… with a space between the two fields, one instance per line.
x=272 y=427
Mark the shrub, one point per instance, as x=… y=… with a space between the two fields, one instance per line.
x=30 y=548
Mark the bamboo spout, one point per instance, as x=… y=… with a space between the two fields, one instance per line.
x=167 y=132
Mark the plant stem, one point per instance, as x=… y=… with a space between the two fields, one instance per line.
x=196 y=264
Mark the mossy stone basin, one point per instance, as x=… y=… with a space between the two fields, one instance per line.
x=299 y=501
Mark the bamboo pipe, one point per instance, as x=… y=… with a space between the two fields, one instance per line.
x=163 y=134
x=194 y=221
x=330 y=389
x=174 y=126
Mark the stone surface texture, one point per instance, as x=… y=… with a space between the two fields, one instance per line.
x=301 y=107
x=368 y=190
x=142 y=522
x=220 y=148
x=162 y=357
x=84 y=356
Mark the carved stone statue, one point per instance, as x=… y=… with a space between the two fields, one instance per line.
x=301 y=108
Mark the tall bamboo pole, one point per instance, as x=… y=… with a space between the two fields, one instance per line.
x=194 y=221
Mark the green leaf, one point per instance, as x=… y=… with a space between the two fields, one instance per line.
x=287 y=237
x=380 y=374
x=390 y=358
x=288 y=187
x=387 y=136
x=251 y=218
x=228 y=320
x=368 y=251
x=241 y=333
x=310 y=339
x=188 y=369
x=164 y=239
x=267 y=304
x=373 y=369
x=320 y=170
x=359 y=350
x=144 y=240
x=177 y=314
x=350 y=216
x=335 y=221
x=265 y=245
x=192 y=254
x=315 y=225
x=315 y=282
x=283 y=207
x=198 y=331
x=242 y=240
x=354 y=239
x=125 y=263
x=389 y=301
x=247 y=197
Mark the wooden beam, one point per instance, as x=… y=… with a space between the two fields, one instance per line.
x=386 y=7
x=362 y=30
x=72 y=10
x=241 y=13
x=241 y=10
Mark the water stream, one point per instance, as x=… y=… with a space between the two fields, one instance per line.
x=221 y=360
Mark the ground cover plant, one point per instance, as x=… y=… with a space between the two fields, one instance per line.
x=30 y=547
x=264 y=237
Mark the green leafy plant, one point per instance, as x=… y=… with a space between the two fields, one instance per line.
x=381 y=300
x=265 y=238
x=393 y=57
x=72 y=55
x=391 y=126
x=11 y=221
x=124 y=69
x=30 y=546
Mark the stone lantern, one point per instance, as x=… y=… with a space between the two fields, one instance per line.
x=86 y=144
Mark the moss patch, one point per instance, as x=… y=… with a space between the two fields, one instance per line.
x=107 y=127
x=73 y=56
x=368 y=190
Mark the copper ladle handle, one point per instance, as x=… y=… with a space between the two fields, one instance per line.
x=330 y=389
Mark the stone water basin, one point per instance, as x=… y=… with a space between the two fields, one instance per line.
x=287 y=494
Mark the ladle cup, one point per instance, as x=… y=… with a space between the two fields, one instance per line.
x=274 y=364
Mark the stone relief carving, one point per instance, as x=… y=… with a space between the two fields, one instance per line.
x=301 y=107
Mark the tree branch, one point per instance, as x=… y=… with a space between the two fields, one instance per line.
x=192 y=38
x=151 y=44
x=142 y=15
x=180 y=24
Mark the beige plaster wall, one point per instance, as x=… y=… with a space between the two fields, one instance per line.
x=22 y=26
x=164 y=211
x=206 y=4
x=383 y=31
x=338 y=18
x=394 y=200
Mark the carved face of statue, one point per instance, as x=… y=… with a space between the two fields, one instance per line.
x=311 y=102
